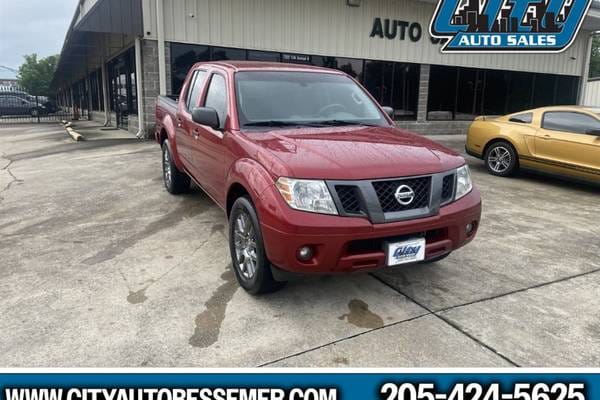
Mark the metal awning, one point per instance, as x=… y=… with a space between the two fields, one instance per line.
x=98 y=28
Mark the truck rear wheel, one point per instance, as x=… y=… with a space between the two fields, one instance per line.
x=250 y=264
x=176 y=182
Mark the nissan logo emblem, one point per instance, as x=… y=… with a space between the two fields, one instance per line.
x=404 y=195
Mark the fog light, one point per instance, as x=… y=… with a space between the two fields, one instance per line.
x=470 y=228
x=305 y=253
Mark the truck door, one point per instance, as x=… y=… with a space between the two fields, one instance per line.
x=184 y=125
x=569 y=140
x=208 y=150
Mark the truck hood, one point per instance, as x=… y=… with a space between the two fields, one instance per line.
x=352 y=153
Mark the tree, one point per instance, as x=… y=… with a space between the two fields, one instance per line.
x=595 y=58
x=35 y=75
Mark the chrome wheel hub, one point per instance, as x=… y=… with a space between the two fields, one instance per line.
x=167 y=167
x=244 y=242
x=499 y=159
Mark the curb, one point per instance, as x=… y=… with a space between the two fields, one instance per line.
x=74 y=135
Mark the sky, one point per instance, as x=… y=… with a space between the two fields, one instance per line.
x=33 y=26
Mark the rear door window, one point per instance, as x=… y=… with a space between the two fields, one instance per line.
x=195 y=89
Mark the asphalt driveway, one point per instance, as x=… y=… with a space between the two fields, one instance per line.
x=100 y=266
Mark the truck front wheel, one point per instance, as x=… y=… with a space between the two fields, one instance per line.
x=252 y=269
x=176 y=182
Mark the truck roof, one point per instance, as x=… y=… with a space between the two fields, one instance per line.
x=261 y=65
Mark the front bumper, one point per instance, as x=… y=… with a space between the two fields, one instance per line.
x=347 y=244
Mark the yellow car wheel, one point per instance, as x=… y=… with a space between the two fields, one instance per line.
x=501 y=159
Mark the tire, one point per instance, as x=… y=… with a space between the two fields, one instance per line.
x=176 y=182
x=501 y=159
x=34 y=112
x=248 y=256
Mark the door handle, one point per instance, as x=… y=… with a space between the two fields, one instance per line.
x=196 y=134
x=546 y=137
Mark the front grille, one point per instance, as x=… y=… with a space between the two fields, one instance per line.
x=386 y=191
x=447 y=188
x=349 y=199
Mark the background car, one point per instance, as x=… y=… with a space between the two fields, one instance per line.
x=562 y=140
x=15 y=105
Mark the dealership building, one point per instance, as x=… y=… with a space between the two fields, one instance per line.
x=119 y=55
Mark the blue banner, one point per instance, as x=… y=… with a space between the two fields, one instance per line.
x=300 y=386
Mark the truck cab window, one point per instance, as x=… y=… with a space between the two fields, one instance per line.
x=195 y=89
x=217 y=97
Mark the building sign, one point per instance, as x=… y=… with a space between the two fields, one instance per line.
x=394 y=29
x=296 y=58
x=547 y=26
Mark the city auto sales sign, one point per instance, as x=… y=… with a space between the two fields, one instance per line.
x=525 y=26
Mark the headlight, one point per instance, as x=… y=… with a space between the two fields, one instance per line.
x=463 y=182
x=307 y=195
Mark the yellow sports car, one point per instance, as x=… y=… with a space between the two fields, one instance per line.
x=563 y=140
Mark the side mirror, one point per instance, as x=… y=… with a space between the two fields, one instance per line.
x=206 y=116
x=594 y=132
x=389 y=111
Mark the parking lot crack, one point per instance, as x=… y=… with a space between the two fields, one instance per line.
x=450 y=323
x=13 y=177
x=269 y=363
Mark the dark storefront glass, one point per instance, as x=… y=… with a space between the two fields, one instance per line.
x=94 y=90
x=395 y=85
x=270 y=56
x=392 y=84
x=442 y=92
x=519 y=91
x=224 y=53
x=566 y=89
x=495 y=92
x=351 y=66
x=544 y=90
x=469 y=88
x=183 y=57
x=463 y=93
x=122 y=75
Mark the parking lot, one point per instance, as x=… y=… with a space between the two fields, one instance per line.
x=101 y=267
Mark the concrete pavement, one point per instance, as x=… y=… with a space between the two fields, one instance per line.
x=100 y=266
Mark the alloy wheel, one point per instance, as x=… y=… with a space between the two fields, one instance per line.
x=167 y=166
x=499 y=159
x=244 y=238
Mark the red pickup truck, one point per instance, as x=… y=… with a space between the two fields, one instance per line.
x=312 y=173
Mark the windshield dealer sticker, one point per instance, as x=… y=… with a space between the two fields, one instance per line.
x=524 y=26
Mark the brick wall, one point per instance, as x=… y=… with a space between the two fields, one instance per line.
x=151 y=86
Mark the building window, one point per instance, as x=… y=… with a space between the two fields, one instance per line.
x=395 y=85
x=256 y=55
x=224 y=53
x=96 y=91
x=183 y=57
x=122 y=82
x=463 y=93
x=351 y=66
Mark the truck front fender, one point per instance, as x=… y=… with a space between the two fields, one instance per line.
x=252 y=177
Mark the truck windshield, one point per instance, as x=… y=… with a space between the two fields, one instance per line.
x=283 y=99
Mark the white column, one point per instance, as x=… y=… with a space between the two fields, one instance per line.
x=160 y=32
x=139 y=87
x=105 y=93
